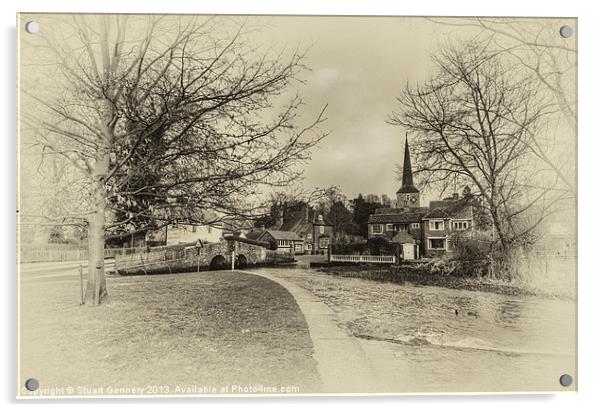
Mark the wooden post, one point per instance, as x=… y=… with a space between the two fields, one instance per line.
x=81 y=284
x=198 y=262
x=97 y=285
x=233 y=259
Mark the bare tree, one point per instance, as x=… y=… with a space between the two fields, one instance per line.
x=536 y=49
x=474 y=122
x=167 y=126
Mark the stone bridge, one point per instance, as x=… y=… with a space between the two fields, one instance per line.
x=191 y=257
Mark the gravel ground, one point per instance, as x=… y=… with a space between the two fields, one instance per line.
x=167 y=333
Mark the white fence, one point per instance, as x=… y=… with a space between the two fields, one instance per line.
x=362 y=259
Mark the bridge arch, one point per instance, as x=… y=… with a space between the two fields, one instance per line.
x=218 y=262
x=242 y=262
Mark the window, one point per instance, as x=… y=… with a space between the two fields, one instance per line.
x=309 y=236
x=308 y=246
x=436 y=243
x=389 y=226
x=324 y=243
x=415 y=226
x=377 y=229
x=436 y=225
x=193 y=229
x=321 y=230
x=407 y=198
x=460 y=225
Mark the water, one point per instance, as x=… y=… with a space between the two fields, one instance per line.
x=495 y=343
x=417 y=342
x=487 y=321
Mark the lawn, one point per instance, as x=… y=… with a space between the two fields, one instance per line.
x=180 y=332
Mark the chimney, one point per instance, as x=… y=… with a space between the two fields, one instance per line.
x=455 y=196
x=280 y=218
x=320 y=219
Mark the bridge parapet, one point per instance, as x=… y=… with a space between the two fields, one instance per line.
x=187 y=258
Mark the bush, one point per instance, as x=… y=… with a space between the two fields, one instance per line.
x=379 y=246
x=349 y=248
x=273 y=244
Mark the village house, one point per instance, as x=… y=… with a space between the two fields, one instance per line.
x=309 y=226
x=187 y=233
x=421 y=231
x=285 y=240
x=445 y=218
x=178 y=233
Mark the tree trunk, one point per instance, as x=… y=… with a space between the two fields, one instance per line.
x=501 y=258
x=96 y=291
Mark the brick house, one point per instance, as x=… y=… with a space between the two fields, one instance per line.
x=387 y=222
x=310 y=226
x=445 y=217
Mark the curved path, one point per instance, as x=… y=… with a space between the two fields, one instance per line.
x=343 y=364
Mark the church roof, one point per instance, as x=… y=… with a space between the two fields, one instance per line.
x=407 y=180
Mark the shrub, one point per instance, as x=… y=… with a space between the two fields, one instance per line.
x=472 y=255
x=380 y=246
x=342 y=248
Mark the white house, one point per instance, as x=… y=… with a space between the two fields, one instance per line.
x=178 y=233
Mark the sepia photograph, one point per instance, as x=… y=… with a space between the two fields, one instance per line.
x=276 y=205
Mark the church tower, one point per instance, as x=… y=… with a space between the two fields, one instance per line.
x=407 y=195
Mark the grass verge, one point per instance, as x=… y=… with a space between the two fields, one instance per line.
x=213 y=329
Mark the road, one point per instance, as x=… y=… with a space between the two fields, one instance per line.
x=61 y=270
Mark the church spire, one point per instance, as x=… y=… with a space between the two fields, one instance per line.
x=407 y=180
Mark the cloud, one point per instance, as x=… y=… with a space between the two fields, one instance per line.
x=325 y=77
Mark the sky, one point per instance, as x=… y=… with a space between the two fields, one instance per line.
x=358 y=66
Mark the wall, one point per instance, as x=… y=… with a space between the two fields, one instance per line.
x=185 y=258
x=436 y=234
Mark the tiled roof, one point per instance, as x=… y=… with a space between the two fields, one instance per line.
x=403 y=237
x=401 y=217
x=397 y=210
x=295 y=222
x=254 y=234
x=282 y=235
x=449 y=209
x=438 y=213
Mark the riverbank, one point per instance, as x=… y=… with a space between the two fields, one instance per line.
x=418 y=275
